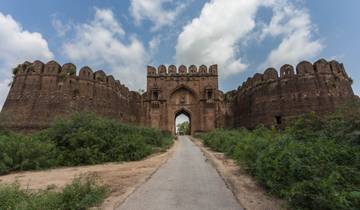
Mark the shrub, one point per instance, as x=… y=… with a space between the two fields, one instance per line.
x=81 y=139
x=24 y=153
x=81 y=194
x=313 y=164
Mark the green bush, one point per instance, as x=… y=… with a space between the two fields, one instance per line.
x=81 y=194
x=81 y=139
x=25 y=153
x=313 y=164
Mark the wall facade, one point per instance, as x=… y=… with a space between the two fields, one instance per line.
x=42 y=92
x=191 y=91
x=273 y=99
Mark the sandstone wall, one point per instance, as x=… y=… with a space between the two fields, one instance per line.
x=271 y=99
x=41 y=92
x=194 y=90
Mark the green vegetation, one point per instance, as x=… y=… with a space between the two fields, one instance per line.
x=313 y=164
x=82 y=139
x=81 y=194
x=183 y=128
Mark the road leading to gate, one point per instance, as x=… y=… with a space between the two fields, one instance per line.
x=186 y=181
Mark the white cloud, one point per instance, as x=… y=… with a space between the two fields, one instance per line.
x=61 y=28
x=102 y=43
x=294 y=25
x=225 y=25
x=16 y=46
x=155 y=11
x=213 y=36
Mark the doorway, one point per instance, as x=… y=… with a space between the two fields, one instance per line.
x=182 y=123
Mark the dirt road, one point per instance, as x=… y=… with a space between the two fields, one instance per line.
x=186 y=181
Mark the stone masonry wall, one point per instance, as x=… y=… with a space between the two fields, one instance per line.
x=41 y=92
x=271 y=99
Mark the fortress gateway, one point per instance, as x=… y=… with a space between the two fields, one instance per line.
x=41 y=92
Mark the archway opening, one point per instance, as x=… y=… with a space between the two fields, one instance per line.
x=182 y=123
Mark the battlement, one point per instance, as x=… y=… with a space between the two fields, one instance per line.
x=303 y=69
x=182 y=70
x=275 y=99
x=41 y=92
x=66 y=71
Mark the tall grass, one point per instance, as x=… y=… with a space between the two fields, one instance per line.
x=82 y=139
x=313 y=164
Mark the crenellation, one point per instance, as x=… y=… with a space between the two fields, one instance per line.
x=86 y=73
x=151 y=71
x=304 y=68
x=52 y=67
x=193 y=69
x=40 y=92
x=68 y=69
x=213 y=69
x=322 y=67
x=203 y=69
x=172 y=70
x=37 y=67
x=318 y=87
x=287 y=71
x=162 y=70
x=257 y=79
x=270 y=74
x=100 y=76
x=182 y=69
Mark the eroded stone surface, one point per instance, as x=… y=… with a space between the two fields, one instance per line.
x=41 y=92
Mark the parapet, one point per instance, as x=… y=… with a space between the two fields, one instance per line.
x=54 y=69
x=304 y=68
x=182 y=70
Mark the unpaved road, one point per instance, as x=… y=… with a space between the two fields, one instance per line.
x=186 y=181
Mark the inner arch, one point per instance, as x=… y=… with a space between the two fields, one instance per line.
x=182 y=123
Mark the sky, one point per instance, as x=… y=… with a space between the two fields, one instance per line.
x=122 y=37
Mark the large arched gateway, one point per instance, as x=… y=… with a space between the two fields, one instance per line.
x=192 y=92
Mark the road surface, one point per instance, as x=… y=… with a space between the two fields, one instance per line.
x=187 y=181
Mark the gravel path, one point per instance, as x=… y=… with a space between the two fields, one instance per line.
x=187 y=181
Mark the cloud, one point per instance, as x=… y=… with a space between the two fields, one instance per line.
x=16 y=46
x=223 y=26
x=213 y=36
x=156 y=12
x=295 y=27
x=61 y=28
x=103 y=43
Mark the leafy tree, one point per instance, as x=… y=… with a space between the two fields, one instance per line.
x=184 y=128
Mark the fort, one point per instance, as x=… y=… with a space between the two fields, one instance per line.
x=42 y=92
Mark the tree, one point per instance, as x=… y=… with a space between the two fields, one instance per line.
x=183 y=128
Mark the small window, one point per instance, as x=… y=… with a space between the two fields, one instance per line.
x=155 y=95
x=209 y=94
x=278 y=120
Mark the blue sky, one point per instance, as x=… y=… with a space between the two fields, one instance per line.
x=122 y=37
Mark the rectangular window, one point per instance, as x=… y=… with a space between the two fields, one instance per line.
x=209 y=94
x=155 y=95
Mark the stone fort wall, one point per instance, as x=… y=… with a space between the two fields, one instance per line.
x=273 y=99
x=194 y=90
x=42 y=92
